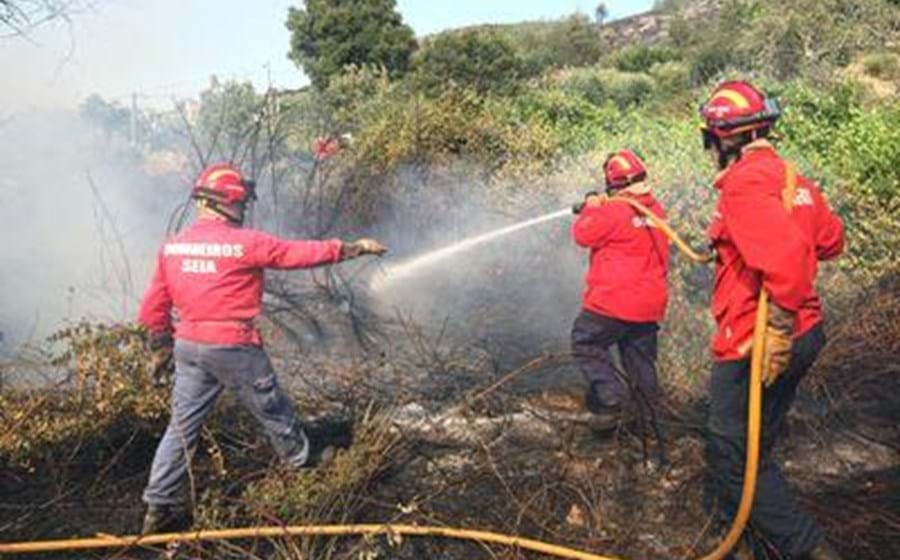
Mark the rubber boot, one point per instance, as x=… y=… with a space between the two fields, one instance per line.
x=166 y=518
x=604 y=418
x=824 y=551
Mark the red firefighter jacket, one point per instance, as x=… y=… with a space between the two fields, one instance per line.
x=758 y=242
x=628 y=263
x=212 y=274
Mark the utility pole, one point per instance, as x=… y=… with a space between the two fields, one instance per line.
x=133 y=120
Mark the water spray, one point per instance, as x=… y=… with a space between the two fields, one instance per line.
x=411 y=267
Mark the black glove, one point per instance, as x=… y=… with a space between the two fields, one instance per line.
x=162 y=361
x=590 y=197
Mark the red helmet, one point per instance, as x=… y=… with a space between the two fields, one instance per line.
x=623 y=168
x=222 y=183
x=737 y=107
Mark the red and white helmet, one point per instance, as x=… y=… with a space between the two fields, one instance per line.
x=623 y=168
x=222 y=183
x=736 y=107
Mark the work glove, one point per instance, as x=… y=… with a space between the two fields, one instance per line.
x=162 y=361
x=361 y=247
x=778 y=342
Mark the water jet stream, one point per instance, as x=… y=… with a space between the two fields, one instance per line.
x=411 y=267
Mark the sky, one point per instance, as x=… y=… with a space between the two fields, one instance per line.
x=158 y=49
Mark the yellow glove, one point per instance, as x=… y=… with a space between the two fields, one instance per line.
x=778 y=343
x=362 y=247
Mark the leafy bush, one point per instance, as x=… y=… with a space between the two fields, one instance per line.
x=710 y=61
x=107 y=378
x=458 y=126
x=640 y=58
x=571 y=41
x=855 y=151
x=883 y=65
x=575 y=121
x=602 y=85
x=483 y=61
x=671 y=79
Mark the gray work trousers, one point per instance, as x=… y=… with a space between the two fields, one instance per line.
x=201 y=372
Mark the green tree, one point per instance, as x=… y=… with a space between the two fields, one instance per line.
x=480 y=60
x=571 y=41
x=328 y=35
x=228 y=119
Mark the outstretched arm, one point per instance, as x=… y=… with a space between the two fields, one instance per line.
x=272 y=252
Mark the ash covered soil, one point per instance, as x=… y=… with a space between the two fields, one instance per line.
x=440 y=434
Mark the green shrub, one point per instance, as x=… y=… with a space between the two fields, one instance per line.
x=671 y=79
x=710 y=61
x=571 y=41
x=603 y=85
x=640 y=58
x=108 y=380
x=481 y=60
x=576 y=122
x=854 y=151
x=883 y=65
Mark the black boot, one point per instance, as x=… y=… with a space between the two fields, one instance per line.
x=168 y=518
x=824 y=551
x=320 y=456
x=604 y=418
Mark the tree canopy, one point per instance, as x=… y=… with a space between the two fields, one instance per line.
x=481 y=60
x=328 y=35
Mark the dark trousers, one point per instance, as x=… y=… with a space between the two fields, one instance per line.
x=593 y=337
x=202 y=371
x=776 y=518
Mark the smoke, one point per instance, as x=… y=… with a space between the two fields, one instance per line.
x=81 y=223
x=515 y=295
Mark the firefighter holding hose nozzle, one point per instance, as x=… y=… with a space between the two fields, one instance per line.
x=625 y=295
x=770 y=229
x=211 y=274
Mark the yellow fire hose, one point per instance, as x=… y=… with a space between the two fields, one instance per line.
x=754 y=417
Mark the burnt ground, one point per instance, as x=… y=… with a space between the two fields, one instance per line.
x=472 y=446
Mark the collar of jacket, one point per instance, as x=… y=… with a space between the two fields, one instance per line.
x=760 y=144
x=636 y=189
x=211 y=221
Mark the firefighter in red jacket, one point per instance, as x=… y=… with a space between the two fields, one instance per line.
x=626 y=295
x=769 y=230
x=211 y=275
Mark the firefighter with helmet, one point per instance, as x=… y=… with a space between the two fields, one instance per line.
x=625 y=295
x=770 y=229
x=211 y=274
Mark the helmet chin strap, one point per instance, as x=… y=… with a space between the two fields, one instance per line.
x=730 y=152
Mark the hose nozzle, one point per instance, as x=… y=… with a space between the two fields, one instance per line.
x=579 y=206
